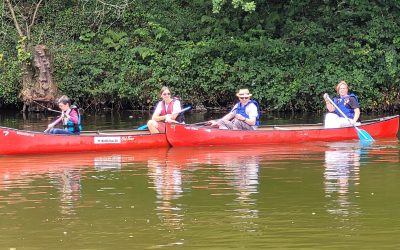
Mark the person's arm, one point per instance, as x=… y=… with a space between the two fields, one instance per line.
x=356 y=107
x=176 y=109
x=156 y=115
x=329 y=105
x=51 y=125
x=226 y=117
x=252 y=112
x=357 y=113
x=73 y=116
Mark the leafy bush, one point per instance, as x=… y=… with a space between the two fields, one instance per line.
x=287 y=52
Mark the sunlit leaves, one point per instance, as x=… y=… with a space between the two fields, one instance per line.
x=247 y=6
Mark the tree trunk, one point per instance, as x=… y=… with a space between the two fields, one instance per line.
x=38 y=85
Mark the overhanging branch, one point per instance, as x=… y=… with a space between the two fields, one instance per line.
x=10 y=7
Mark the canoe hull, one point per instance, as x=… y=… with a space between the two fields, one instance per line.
x=187 y=135
x=13 y=141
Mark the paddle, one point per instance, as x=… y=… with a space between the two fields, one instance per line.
x=46 y=107
x=143 y=127
x=362 y=134
x=53 y=124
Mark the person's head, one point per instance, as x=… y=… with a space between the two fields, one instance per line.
x=243 y=95
x=165 y=93
x=342 y=88
x=64 y=103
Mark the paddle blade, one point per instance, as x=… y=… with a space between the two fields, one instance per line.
x=185 y=109
x=363 y=135
x=143 y=127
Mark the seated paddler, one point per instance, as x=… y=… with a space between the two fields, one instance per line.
x=167 y=110
x=245 y=114
x=70 y=119
x=348 y=105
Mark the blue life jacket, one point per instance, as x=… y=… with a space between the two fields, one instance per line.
x=242 y=110
x=346 y=109
x=72 y=127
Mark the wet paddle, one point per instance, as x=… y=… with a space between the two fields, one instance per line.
x=362 y=134
x=143 y=127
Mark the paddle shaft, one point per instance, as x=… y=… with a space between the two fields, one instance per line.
x=176 y=113
x=338 y=109
x=51 y=125
x=47 y=107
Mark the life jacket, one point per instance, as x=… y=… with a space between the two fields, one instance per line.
x=242 y=110
x=346 y=109
x=180 y=118
x=70 y=126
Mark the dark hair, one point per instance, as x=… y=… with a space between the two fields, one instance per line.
x=64 y=100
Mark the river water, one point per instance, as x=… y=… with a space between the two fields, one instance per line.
x=336 y=195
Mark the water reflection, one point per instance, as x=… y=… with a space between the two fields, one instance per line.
x=242 y=174
x=68 y=183
x=233 y=172
x=22 y=176
x=342 y=176
x=166 y=179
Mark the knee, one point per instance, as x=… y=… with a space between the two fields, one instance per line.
x=53 y=131
x=236 y=122
x=331 y=121
x=152 y=124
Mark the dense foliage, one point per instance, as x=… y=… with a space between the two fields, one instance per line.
x=119 y=53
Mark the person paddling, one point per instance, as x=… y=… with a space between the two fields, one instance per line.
x=166 y=110
x=70 y=119
x=347 y=103
x=244 y=115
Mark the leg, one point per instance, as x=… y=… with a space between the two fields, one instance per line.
x=156 y=127
x=59 y=131
x=332 y=120
x=153 y=127
x=241 y=125
x=224 y=124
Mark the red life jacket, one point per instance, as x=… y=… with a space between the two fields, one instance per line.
x=170 y=107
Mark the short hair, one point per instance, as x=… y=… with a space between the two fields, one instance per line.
x=340 y=84
x=164 y=88
x=64 y=100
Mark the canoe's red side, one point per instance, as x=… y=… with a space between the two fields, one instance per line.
x=186 y=135
x=14 y=141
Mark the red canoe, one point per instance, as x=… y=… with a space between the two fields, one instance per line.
x=14 y=141
x=190 y=135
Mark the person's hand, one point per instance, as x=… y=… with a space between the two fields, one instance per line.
x=64 y=115
x=50 y=126
x=168 y=118
x=212 y=123
x=326 y=97
x=240 y=117
x=352 y=121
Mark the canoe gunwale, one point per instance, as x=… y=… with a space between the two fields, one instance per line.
x=134 y=132
x=179 y=135
x=301 y=127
